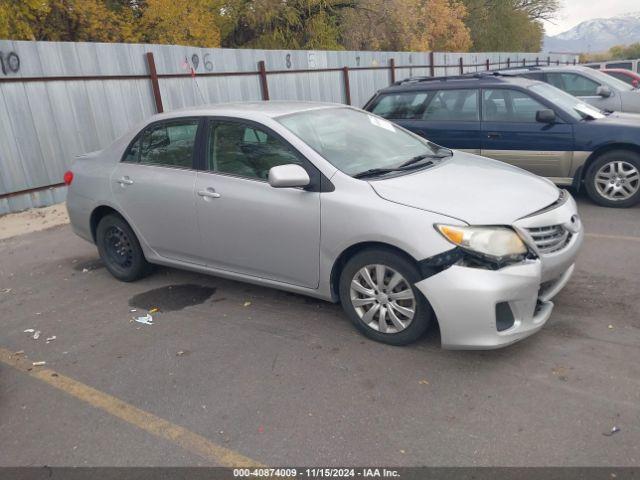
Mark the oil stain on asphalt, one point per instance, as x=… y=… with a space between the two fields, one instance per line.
x=172 y=297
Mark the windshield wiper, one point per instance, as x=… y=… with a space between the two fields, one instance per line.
x=419 y=158
x=373 y=172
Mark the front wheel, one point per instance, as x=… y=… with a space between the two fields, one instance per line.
x=377 y=292
x=613 y=179
x=120 y=250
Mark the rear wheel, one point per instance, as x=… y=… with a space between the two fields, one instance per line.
x=120 y=250
x=377 y=292
x=613 y=179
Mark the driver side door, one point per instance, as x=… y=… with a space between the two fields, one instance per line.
x=246 y=225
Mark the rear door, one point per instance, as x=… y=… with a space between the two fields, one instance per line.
x=448 y=117
x=511 y=133
x=153 y=187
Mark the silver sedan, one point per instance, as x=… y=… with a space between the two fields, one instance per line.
x=333 y=202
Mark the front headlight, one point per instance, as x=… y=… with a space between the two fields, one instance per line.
x=498 y=243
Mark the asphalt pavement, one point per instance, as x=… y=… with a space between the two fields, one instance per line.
x=230 y=373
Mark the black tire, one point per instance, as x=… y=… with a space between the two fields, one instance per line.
x=626 y=156
x=423 y=313
x=120 y=250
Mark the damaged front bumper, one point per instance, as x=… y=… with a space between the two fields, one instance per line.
x=481 y=308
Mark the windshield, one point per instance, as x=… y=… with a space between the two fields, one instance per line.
x=609 y=80
x=355 y=141
x=570 y=104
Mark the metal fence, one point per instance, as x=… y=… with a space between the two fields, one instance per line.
x=62 y=99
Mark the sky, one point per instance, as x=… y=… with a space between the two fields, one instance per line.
x=577 y=11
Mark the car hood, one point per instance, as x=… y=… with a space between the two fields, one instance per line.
x=619 y=119
x=471 y=188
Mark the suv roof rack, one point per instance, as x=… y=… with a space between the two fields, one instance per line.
x=466 y=76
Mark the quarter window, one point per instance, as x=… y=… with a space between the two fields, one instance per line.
x=505 y=105
x=169 y=144
x=576 y=85
x=460 y=105
x=240 y=149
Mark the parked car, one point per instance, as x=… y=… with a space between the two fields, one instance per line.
x=337 y=203
x=591 y=86
x=527 y=123
x=627 y=76
x=633 y=65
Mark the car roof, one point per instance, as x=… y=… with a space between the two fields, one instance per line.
x=258 y=109
x=482 y=79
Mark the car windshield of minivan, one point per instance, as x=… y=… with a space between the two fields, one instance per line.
x=611 y=81
x=570 y=104
x=361 y=144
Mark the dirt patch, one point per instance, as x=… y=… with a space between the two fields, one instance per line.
x=33 y=220
x=172 y=297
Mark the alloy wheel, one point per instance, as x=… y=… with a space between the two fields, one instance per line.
x=382 y=298
x=617 y=180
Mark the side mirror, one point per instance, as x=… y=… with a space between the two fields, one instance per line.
x=603 y=91
x=546 y=116
x=285 y=176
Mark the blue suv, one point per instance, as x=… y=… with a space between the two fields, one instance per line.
x=527 y=123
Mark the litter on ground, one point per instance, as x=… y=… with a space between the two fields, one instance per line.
x=38 y=364
x=36 y=334
x=147 y=319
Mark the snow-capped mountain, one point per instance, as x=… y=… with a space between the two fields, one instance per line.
x=596 y=35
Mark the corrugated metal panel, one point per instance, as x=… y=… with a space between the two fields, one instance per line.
x=43 y=125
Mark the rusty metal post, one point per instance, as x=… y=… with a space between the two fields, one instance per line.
x=537 y=61
x=524 y=62
x=488 y=65
x=461 y=66
x=347 y=86
x=508 y=62
x=432 y=66
x=262 y=71
x=155 y=85
x=392 y=69
x=548 y=60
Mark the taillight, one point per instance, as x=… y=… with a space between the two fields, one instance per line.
x=68 y=177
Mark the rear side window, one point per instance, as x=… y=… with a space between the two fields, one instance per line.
x=453 y=105
x=168 y=144
x=502 y=105
x=407 y=105
x=576 y=85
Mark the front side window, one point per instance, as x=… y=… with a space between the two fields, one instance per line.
x=168 y=144
x=242 y=149
x=622 y=76
x=457 y=105
x=625 y=65
x=577 y=85
x=405 y=105
x=355 y=141
x=503 y=105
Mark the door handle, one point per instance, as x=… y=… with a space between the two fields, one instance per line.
x=125 y=181
x=493 y=135
x=208 y=193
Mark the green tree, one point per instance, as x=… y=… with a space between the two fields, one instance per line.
x=504 y=25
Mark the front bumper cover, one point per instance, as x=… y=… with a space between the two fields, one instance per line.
x=464 y=298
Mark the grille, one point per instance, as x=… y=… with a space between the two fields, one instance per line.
x=550 y=239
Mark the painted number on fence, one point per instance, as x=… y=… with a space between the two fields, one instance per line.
x=9 y=63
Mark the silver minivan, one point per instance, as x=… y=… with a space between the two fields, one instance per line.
x=337 y=203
